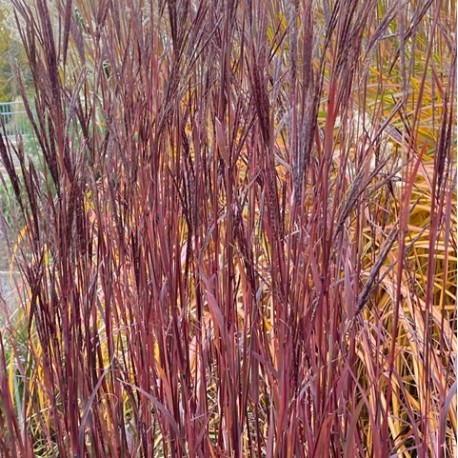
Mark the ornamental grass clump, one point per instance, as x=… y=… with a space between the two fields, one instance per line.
x=239 y=238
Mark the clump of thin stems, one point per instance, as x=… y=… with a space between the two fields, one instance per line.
x=238 y=239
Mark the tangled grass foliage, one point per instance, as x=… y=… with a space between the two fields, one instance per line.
x=241 y=237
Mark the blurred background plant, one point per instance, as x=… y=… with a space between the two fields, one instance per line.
x=239 y=238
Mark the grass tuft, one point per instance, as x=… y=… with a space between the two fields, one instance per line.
x=240 y=236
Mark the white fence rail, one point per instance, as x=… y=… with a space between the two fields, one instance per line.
x=13 y=119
